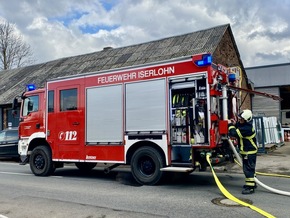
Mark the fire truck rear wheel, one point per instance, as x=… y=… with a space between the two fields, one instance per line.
x=145 y=165
x=41 y=162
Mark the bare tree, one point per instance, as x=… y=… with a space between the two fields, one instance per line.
x=14 y=52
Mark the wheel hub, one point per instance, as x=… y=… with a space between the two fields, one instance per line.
x=147 y=166
x=39 y=162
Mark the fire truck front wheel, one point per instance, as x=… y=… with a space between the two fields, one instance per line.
x=41 y=162
x=145 y=165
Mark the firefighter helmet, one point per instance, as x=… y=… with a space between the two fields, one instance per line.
x=246 y=115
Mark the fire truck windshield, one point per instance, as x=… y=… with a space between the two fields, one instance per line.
x=30 y=104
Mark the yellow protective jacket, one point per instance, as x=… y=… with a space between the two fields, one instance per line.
x=246 y=135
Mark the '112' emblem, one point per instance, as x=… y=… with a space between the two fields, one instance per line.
x=67 y=136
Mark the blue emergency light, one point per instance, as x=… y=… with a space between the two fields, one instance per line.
x=232 y=77
x=205 y=61
x=30 y=87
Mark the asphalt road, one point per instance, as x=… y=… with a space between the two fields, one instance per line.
x=97 y=195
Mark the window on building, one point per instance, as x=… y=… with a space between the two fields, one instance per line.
x=68 y=99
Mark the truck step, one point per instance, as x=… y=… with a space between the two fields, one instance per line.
x=177 y=169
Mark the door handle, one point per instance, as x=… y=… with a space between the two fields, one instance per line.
x=75 y=123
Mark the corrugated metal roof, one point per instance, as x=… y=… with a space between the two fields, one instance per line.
x=270 y=75
x=12 y=82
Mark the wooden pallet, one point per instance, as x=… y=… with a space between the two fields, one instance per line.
x=270 y=147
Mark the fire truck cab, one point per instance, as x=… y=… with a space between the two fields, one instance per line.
x=156 y=117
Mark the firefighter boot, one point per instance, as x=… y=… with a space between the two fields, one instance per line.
x=248 y=190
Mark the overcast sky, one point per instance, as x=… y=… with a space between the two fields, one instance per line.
x=62 y=28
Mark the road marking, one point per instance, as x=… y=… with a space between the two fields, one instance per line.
x=9 y=163
x=2 y=216
x=26 y=174
x=23 y=174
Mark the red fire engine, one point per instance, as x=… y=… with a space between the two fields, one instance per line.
x=156 y=117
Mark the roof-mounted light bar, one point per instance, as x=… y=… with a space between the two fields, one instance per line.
x=30 y=87
x=202 y=60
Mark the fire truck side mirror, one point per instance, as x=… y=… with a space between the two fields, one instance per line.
x=14 y=104
x=30 y=106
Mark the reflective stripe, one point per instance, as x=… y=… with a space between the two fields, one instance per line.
x=250 y=137
x=250 y=179
x=248 y=152
x=253 y=143
x=239 y=133
x=241 y=141
x=232 y=127
x=250 y=184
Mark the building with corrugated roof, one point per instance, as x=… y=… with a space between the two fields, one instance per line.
x=219 y=41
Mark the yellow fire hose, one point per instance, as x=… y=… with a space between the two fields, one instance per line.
x=272 y=174
x=231 y=197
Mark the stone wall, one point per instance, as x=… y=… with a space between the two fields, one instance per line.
x=226 y=54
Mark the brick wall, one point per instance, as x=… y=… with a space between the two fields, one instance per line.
x=226 y=54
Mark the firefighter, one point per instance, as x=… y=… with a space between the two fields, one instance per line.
x=245 y=133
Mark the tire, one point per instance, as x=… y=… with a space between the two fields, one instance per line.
x=85 y=167
x=40 y=161
x=145 y=166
